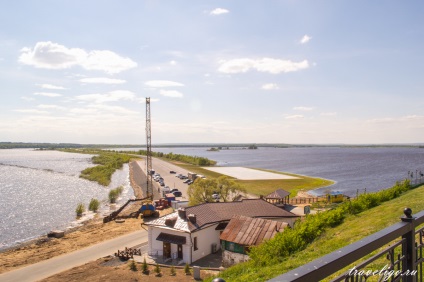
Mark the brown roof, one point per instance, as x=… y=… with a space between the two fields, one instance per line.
x=278 y=194
x=249 y=231
x=209 y=213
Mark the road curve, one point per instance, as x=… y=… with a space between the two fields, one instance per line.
x=64 y=262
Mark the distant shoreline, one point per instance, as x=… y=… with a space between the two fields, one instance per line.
x=22 y=145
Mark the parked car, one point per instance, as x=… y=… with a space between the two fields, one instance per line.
x=215 y=196
x=172 y=172
x=190 y=182
x=162 y=183
x=173 y=190
x=186 y=181
x=177 y=193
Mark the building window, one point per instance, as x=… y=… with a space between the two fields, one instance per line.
x=195 y=243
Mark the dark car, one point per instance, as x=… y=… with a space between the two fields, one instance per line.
x=172 y=172
x=177 y=193
x=173 y=190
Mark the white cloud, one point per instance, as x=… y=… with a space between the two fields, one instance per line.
x=303 y=108
x=31 y=111
x=28 y=99
x=171 y=93
x=47 y=94
x=173 y=63
x=219 y=11
x=295 y=117
x=107 y=61
x=51 y=55
x=305 y=39
x=162 y=83
x=104 y=80
x=109 y=97
x=50 y=86
x=270 y=86
x=269 y=65
x=54 y=107
x=329 y=114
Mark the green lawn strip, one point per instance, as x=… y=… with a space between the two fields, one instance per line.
x=354 y=228
x=265 y=187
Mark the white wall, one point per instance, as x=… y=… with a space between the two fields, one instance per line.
x=229 y=258
x=205 y=238
x=157 y=246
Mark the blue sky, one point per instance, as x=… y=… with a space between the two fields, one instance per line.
x=216 y=71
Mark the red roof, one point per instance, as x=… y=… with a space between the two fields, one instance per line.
x=249 y=231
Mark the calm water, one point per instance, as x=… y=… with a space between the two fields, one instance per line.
x=41 y=189
x=352 y=168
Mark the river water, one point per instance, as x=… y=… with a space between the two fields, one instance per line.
x=40 y=191
x=352 y=168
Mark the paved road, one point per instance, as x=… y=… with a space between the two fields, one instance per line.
x=163 y=168
x=64 y=262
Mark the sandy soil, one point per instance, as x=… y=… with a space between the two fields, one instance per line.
x=112 y=269
x=95 y=231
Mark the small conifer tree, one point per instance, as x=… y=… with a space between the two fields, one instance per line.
x=173 y=272
x=133 y=266
x=145 y=267
x=157 y=270
x=187 y=269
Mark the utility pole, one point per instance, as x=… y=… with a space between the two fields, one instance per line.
x=149 y=189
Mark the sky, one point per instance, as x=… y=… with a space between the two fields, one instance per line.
x=241 y=71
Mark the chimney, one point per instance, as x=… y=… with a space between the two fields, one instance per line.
x=182 y=213
x=192 y=218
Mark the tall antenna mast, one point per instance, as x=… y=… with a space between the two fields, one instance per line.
x=149 y=189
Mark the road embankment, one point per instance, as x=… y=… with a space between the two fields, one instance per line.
x=138 y=179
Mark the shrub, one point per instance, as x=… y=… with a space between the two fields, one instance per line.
x=157 y=270
x=93 y=205
x=173 y=272
x=145 y=267
x=133 y=266
x=80 y=209
x=187 y=269
x=114 y=194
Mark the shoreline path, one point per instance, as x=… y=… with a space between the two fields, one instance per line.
x=47 y=268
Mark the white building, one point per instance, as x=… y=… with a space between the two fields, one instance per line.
x=194 y=232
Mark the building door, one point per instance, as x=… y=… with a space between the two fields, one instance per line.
x=166 y=250
x=180 y=251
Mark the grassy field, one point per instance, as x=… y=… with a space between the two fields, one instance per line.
x=354 y=228
x=264 y=187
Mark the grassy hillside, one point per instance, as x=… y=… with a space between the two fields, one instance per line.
x=351 y=230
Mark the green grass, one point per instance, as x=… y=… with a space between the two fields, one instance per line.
x=265 y=187
x=107 y=164
x=354 y=228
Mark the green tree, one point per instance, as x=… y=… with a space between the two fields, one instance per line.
x=157 y=270
x=228 y=189
x=201 y=191
x=145 y=267
x=133 y=266
x=187 y=269
x=93 y=205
